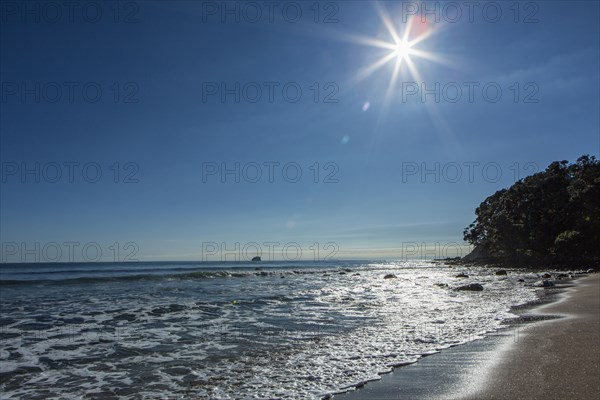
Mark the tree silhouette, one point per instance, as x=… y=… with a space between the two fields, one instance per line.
x=551 y=217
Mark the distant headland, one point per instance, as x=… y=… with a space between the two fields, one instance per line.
x=551 y=218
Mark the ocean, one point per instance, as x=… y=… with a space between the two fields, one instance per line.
x=267 y=330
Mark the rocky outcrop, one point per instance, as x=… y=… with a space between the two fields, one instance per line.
x=389 y=276
x=479 y=253
x=472 y=287
x=544 y=283
x=257 y=258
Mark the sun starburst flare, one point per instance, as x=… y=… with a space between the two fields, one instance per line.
x=403 y=47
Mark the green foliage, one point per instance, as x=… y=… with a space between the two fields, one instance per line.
x=552 y=217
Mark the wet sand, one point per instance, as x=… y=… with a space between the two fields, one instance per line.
x=548 y=359
x=555 y=359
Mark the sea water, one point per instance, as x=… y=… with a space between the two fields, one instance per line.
x=234 y=330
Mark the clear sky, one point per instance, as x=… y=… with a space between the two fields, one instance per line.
x=160 y=97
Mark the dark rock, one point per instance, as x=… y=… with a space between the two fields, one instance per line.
x=521 y=280
x=341 y=273
x=546 y=276
x=389 y=276
x=257 y=258
x=473 y=287
x=561 y=276
x=501 y=272
x=356 y=274
x=544 y=283
x=479 y=253
x=441 y=284
x=462 y=276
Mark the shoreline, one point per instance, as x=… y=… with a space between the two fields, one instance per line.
x=483 y=368
x=553 y=359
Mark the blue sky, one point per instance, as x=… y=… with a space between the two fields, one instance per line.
x=170 y=64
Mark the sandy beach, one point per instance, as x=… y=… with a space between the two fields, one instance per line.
x=554 y=359
x=548 y=359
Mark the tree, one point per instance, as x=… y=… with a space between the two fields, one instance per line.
x=552 y=217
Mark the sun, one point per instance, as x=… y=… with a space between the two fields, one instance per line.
x=402 y=47
x=402 y=50
x=406 y=37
